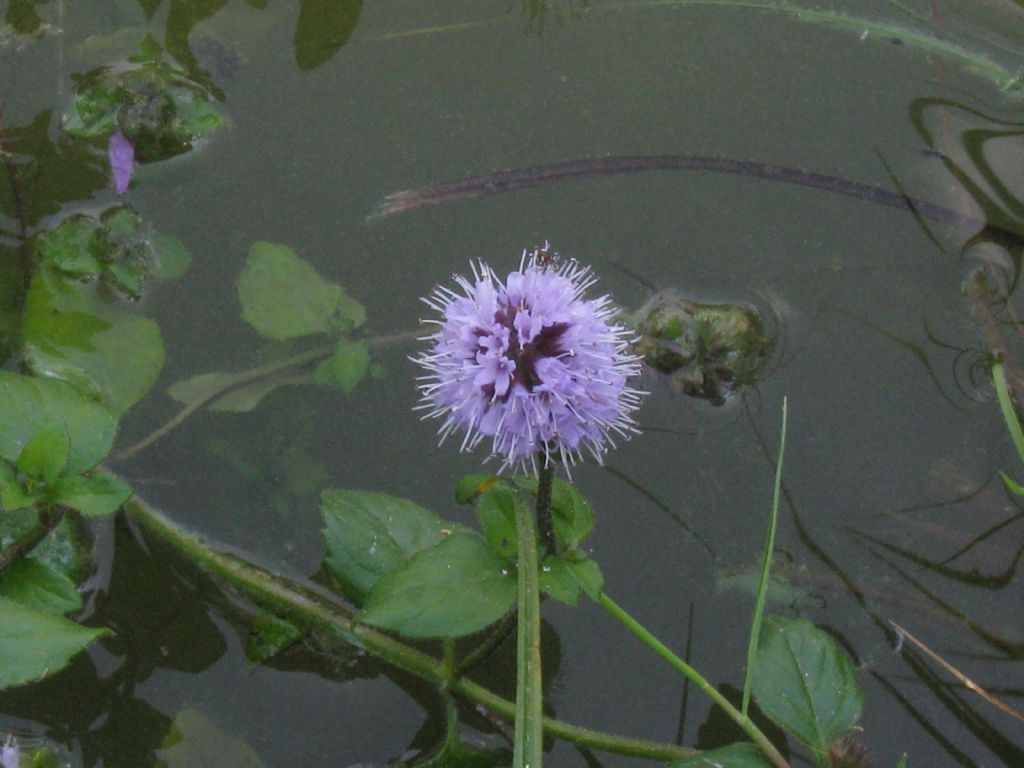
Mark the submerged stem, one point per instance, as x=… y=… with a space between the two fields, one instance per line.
x=248 y=377
x=749 y=727
x=312 y=609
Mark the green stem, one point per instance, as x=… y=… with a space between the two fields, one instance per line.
x=545 y=482
x=529 y=741
x=744 y=722
x=766 y=565
x=312 y=610
x=1006 y=406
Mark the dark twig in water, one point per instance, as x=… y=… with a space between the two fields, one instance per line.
x=540 y=175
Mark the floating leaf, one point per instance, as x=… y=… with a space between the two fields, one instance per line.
x=95 y=495
x=33 y=584
x=113 y=247
x=323 y=27
x=805 y=683
x=73 y=335
x=369 y=535
x=195 y=741
x=268 y=636
x=244 y=399
x=72 y=247
x=283 y=296
x=453 y=589
x=170 y=257
x=346 y=367
x=159 y=108
x=740 y=755
x=201 y=388
x=27 y=404
x=45 y=455
x=34 y=644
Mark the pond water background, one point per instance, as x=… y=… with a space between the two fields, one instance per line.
x=894 y=438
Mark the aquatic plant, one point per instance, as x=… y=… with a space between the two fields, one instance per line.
x=530 y=363
x=157 y=108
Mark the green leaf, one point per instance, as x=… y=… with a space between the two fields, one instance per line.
x=14 y=497
x=194 y=741
x=45 y=455
x=67 y=550
x=34 y=644
x=245 y=399
x=349 y=315
x=471 y=486
x=497 y=512
x=805 y=683
x=7 y=472
x=71 y=334
x=557 y=580
x=201 y=388
x=33 y=584
x=96 y=495
x=27 y=404
x=171 y=258
x=268 y=636
x=346 y=367
x=369 y=535
x=589 y=576
x=323 y=27
x=73 y=246
x=453 y=589
x=739 y=755
x=571 y=513
x=283 y=296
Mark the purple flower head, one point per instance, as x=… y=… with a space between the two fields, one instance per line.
x=121 y=154
x=9 y=754
x=529 y=363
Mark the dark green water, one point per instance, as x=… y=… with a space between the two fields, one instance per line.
x=892 y=509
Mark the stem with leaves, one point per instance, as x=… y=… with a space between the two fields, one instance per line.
x=312 y=609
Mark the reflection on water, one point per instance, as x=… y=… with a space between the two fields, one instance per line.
x=894 y=507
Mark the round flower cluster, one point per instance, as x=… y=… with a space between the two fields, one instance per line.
x=529 y=363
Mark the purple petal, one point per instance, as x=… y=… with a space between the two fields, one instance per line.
x=9 y=756
x=122 y=160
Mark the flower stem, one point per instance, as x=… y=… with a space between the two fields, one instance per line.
x=311 y=609
x=529 y=740
x=756 y=734
x=545 y=481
